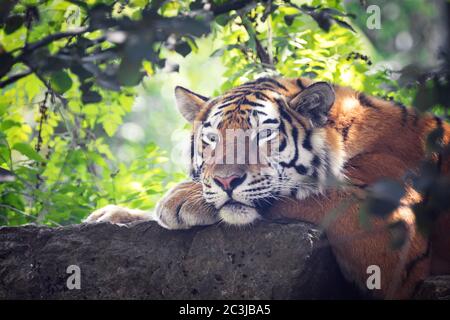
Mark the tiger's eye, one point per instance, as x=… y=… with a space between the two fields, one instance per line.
x=212 y=137
x=265 y=133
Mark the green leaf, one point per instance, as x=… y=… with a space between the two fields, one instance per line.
x=222 y=19
x=384 y=197
x=7 y=124
x=28 y=151
x=61 y=81
x=183 y=48
x=129 y=73
x=91 y=97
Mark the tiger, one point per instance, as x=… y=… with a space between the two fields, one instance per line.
x=319 y=147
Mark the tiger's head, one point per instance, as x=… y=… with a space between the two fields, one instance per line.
x=264 y=140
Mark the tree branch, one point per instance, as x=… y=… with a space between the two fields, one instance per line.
x=15 y=78
x=260 y=50
x=230 y=6
x=53 y=37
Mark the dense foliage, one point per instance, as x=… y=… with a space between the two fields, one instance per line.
x=70 y=71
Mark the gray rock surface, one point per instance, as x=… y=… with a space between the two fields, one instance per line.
x=268 y=261
x=435 y=288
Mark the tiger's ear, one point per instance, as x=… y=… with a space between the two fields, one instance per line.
x=188 y=102
x=314 y=102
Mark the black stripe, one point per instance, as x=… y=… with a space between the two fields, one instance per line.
x=283 y=144
x=326 y=162
x=301 y=169
x=283 y=112
x=255 y=181
x=217 y=113
x=404 y=112
x=346 y=129
x=251 y=103
x=411 y=264
x=300 y=84
x=262 y=96
x=192 y=148
x=275 y=121
x=260 y=112
x=229 y=98
x=282 y=129
x=206 y=114
x=294 y=159
x=177 y=214
x=366 y=101
x=293 y=192
x=244 y=88
x=225 y=105
x=193 y=172
x=316 y=161
x=275 y=82
x=307 y=141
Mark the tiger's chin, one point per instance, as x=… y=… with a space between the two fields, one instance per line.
x=238 y=214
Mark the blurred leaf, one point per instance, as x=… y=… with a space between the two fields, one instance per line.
x=222 y=19
x=129 y=73
x=61 y=81
x=183 y=48
x=91 y=97
x=13 y=23
x=7 y=124
x=384 y=197
x=28 y=151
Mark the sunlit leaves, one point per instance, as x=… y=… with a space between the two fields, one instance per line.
x=27 y=151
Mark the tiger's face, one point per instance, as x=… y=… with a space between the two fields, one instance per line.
x=261 y=141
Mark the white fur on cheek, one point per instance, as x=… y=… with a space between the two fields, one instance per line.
x=238 y=214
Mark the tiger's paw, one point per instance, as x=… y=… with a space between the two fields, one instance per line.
x=118 y=215
x=184 y=207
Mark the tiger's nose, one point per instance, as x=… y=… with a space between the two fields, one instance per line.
x=229 y=183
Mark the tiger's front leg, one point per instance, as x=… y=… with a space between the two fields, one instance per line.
x=183 y=207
